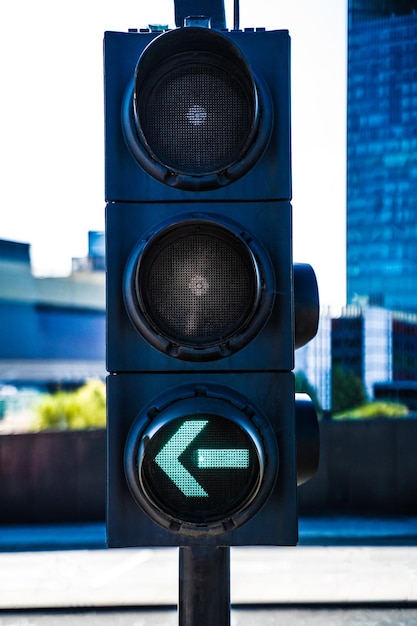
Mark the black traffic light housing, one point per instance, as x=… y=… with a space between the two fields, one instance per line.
x=201 y=290
x=234 y=325
x=145 y=160
x=143 y=401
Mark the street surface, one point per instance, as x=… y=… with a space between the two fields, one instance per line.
x=149 y=577
x=239 y=617
x=346 y=571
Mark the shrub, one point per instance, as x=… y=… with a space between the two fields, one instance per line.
x=73 y=410
x=371 y=410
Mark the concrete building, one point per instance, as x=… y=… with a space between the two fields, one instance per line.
x=52 y=330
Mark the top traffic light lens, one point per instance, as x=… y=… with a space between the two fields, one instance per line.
x=195 y=117
x=192 y=117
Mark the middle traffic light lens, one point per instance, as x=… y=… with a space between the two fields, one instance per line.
x=198 y=285
x=199 y=288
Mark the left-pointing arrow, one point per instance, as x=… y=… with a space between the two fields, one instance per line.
x=167 y=459
x=223 y=459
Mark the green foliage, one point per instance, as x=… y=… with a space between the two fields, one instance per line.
x=371 y=410
x=347 y=390
x=73 y=410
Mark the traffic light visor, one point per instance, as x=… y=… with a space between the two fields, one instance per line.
x=192 y=117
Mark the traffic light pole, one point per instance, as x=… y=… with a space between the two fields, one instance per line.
x=204 y=586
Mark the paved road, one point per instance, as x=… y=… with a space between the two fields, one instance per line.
x=149 y=577
x=339 y=561
x=239 y=617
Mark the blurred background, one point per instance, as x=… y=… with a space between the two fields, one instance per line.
x=354 y=137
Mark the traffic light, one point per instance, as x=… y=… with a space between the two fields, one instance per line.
x=200 y=289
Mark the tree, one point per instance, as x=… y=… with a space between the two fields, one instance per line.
x=302 y=385
x=347 y=390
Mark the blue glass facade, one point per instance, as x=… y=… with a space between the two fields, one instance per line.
x=382 y=154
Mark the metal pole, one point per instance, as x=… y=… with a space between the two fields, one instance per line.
x=204 y=586
x=236 y=15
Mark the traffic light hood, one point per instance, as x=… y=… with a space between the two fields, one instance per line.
x=194 y=117
x=197 y=114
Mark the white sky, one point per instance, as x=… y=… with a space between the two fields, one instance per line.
x=51 y=123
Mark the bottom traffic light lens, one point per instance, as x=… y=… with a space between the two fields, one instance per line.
x=200 y=468
x=201 y=459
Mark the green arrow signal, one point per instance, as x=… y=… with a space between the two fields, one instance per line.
x=167 y=459
x=216 y=458
x=223 y=459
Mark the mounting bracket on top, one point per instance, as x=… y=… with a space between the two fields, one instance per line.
x=211 y=9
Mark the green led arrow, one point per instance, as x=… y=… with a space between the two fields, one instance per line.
x=223 y=459
x=167 y=459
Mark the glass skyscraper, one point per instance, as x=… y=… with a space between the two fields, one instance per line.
x=382 y=154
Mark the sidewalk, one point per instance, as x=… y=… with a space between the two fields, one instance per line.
x=338 y=561
x=149 y=577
